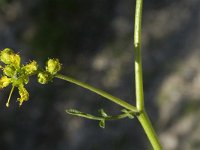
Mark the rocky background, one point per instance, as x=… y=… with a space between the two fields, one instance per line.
x=94 y=41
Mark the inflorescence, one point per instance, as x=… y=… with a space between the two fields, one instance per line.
x=18 y=75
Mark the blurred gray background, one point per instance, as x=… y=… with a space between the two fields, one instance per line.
x=94 y=41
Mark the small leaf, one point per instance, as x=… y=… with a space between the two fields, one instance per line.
x=102 y=112
x=102 y=123
x=129 y=115
x=73 y=111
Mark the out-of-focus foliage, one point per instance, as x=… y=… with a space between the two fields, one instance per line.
x=93 y=39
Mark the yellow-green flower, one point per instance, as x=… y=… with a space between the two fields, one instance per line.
x=31 y=68
x=18 y=75
x=53 y=66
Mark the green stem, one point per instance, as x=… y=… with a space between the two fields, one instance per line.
x=99 y=92
x=8 y=101
x=138 y=59
x=142 y=117
x=148 y=128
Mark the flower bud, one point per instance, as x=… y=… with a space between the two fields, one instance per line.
x=9 y=70
x=53 y=66
x=44 y=77
x=4 y=81
x=30 y=68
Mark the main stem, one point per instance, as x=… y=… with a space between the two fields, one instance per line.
x=142 y=117
x=138 y=59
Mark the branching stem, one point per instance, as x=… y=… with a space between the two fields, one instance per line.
x=99 y=92
x=140 y=108
x=142 y=117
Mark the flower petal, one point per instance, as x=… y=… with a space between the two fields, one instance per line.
x=24 y=95
x=4 y=81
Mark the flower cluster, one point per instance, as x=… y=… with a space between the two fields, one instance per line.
x=52 y=67
x=18 y=75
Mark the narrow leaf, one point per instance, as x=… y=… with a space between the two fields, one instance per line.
x=102 y=123
x=102 y=112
